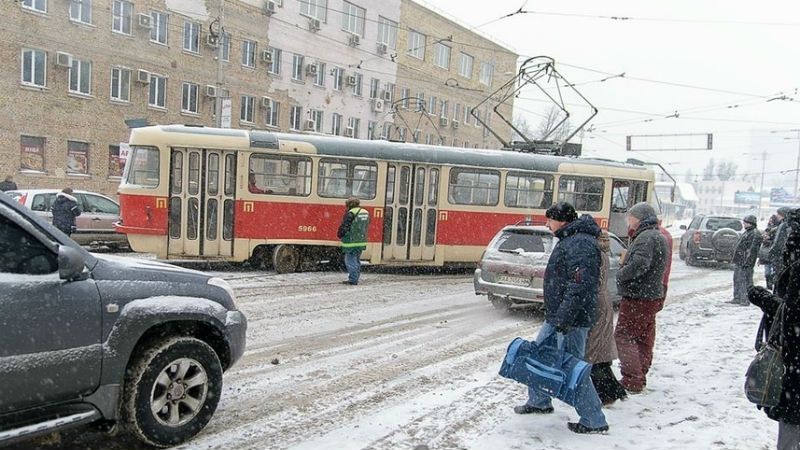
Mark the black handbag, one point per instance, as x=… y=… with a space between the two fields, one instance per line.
x=764 y=379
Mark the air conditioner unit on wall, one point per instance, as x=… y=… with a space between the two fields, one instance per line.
x=266 y=56
x=266 y=102
x=270 y=7
x=309 y=125
x=314 y=25
x=145 y=21
x=63 y=59
x=455 y=124
x=311 y=69
x=387 y=96
x=349 y=131
x=143 y=76
x=211 y=40
x=352 y=80
x=443 y=121
x=382 y=48
x=377 y=105
x=354 y=40
x=211 y=90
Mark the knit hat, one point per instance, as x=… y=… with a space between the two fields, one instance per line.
x=751 y=219
x=562 y=212
x=642 y=210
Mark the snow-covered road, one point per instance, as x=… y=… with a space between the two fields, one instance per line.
x=403 y=362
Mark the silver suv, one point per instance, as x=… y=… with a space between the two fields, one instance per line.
x=511 y=271
x=710 y=238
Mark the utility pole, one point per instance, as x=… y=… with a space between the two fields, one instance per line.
x=761 y=189
x=220 y=66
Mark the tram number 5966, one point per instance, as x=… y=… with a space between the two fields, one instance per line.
x=307 y=228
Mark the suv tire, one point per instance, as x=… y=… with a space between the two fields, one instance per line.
x=182 y=367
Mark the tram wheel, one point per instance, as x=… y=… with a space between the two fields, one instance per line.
x=285 y=258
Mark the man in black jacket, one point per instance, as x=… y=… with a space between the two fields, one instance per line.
x=640 y=282
x=778 y=244
x=65 y=210
x=787 y=288
x=8 y=184
x=571 y=281
x=744 y=260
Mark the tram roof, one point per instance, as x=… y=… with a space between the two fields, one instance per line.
x=398 y=151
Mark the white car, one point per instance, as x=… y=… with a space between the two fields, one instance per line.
x=94 y=225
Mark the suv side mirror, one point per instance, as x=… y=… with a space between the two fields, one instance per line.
x=70 y=263
x=683 y=227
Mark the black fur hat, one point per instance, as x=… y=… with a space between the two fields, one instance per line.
x=562 y=212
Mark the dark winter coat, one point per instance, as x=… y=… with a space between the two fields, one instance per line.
x=8 y=186
x=778 y=245
x=65 y=210
x=787 y=288
x=600 y=344
x=746 y=253
x=572 y=276
x=641 y=275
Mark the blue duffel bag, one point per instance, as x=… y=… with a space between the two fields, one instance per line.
x=545 y=367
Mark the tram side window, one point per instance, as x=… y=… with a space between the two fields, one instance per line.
x=584 y=193
x=528 y=190
x=343 y=179
x=474 y=187
x=280 y=175
x=143 y=168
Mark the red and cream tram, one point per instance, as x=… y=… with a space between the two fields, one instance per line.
x=277 y=199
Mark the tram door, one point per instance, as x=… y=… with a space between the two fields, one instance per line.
x=201 y=203
x=411 y=213
x=624 y=194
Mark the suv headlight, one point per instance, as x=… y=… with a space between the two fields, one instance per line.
x=220 y=283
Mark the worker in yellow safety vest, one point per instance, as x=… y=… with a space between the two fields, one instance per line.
x=353 y=233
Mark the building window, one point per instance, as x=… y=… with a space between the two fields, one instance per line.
x=343 y=179
x=390 y=90
x=467 y=115
x=420 y=106
x=80 y=11
x=387 y=32
x=116 y=165
x=296 y=118
x=77 y=158
x=34 y=67
x=415 y=136
x=191 y=36
x=120 y=84
x=374 y=88
x=336 y=124
x=387 y=130
x=189 y=98
x=122 y=15
x=353 y=18
x=247 y=109
x=248 y=53
x=297 y=67
x=158 y=30
x=338 y=78
x=465 y=66
x=474 y=187
x=405 y=93
x=441 y=56
x=445 y=108
x=524 y=190
x=457 y=112
x=318 y=117
x=35 y=5
x=585 y=194
x=272 y=113
x=32 y=153
x=432 y=105
x=416 y=44
x=319 y=78
x=314 y=8
x=371 y=130
x=354 y=123
x=80 y=77
x=358 y=88
x=487 y=72
x=280 y=175
x=158 y=91
x=274 y=66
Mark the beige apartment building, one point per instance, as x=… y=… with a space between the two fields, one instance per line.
x=81 y=73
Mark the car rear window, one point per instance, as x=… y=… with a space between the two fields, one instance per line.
x=717 y=223
x=528 y=241
x=14 y=194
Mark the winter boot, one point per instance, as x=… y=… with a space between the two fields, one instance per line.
x=583 y=429
x=527 y=409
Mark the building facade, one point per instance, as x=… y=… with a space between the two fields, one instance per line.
x=80 y=73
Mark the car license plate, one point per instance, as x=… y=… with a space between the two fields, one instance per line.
x=513 y=280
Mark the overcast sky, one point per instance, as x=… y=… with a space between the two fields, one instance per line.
x=748 y=49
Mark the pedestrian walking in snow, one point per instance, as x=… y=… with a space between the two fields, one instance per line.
x=65 y=209
x=763 y=257
x=601 y=350
x=744 y=260
x=668 y=265
x=787 y=289
x=571 y=283
x=8 y=184
x=353 y=233
x=640 y=282
x=778 y=244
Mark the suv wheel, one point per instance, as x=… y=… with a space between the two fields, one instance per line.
x=501 y=304
x=681 y=253
x=171 y=391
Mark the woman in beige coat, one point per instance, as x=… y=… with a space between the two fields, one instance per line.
x=601 y=349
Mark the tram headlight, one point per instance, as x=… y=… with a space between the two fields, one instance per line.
x=220 y=283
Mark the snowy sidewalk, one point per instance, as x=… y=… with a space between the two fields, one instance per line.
x=694 y=398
